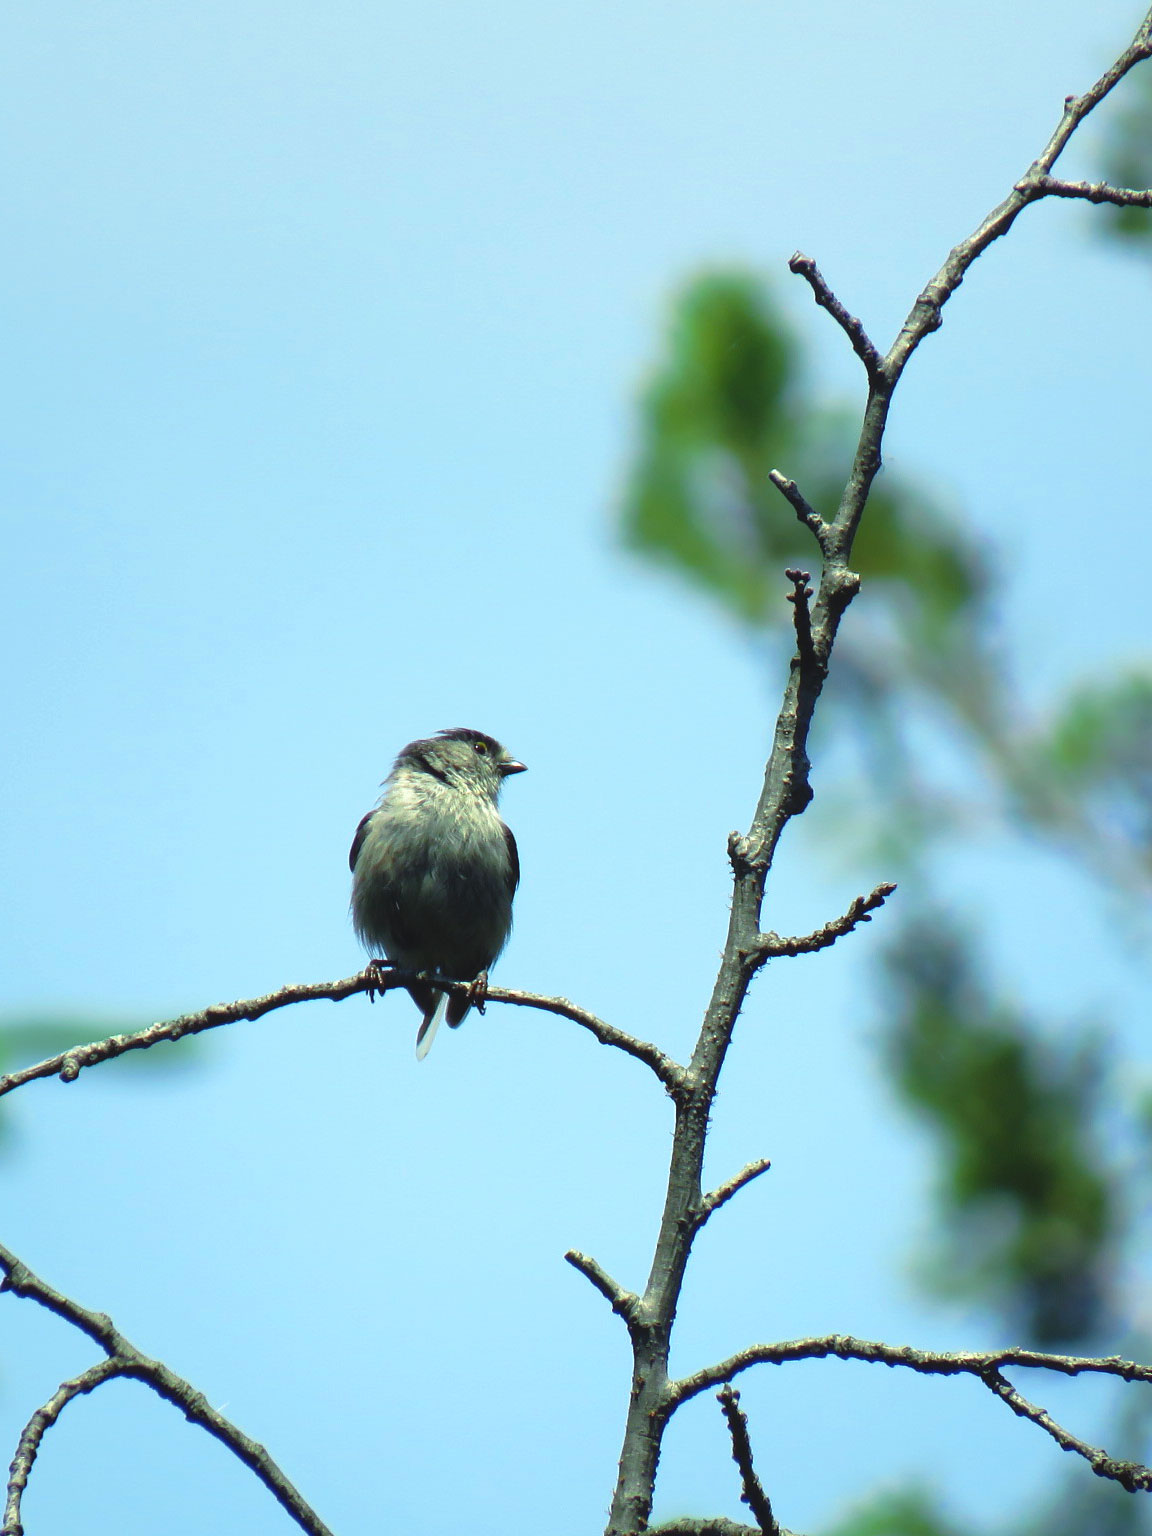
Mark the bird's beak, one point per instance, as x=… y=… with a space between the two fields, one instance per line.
x=512 y=767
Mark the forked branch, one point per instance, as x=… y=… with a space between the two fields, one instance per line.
x=623 y=1303
x=124 y=1359
x=986 y=1367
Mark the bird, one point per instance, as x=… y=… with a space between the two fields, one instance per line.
x=434 y=870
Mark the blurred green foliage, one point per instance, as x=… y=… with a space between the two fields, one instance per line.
x=1128 y=163
x=1033 y=1217
x=727 y=405
x=1097 y=757
x=25 y=1038
x=902 y=1512
x=29 y=1037
x=1090 y=1507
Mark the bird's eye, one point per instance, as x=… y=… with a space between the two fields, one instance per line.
x=481 y=747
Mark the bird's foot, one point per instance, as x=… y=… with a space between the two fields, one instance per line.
x=478 y=992
x=375 y=971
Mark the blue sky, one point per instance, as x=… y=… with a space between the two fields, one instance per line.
x=324 y=327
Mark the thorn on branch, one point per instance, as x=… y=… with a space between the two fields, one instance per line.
x=771 y=944
x=862 y=345
x=753 y=1491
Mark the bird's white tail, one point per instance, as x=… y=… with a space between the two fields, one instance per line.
x=432 y=1021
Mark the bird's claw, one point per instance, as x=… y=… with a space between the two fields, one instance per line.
x=478 y=992
x=375 y=971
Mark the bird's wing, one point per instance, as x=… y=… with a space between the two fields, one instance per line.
x=358 y=840
x=513 y=859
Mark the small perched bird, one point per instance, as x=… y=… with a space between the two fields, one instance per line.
x=434 y=870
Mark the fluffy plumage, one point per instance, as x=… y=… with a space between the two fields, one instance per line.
x=434 y=868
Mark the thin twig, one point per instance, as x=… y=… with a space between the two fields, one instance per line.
x=622 y=1302
x=771 y=944
x=724 y=1192
x=669 y=1071
x=45 y=1416
x=1094 y=192
x=868 y=354
x=842 y=1346
x=129 y=1361
x=925 y=315
x=1129 y=1474
x=802 y=507
x=70 y=1063
x=753 y=1495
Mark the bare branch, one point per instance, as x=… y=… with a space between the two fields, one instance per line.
x=70 y=1063
x=43 y=1419
x=804 y=510
x=724 y=1192
x=859 y=912
x=925 y=314
x=986 y=1367
x=868 y=354
x=1093 y=192
x=669 y=1071
x=753 y=1495
x=703 y=1525
x=842 y=1346
x=129 y=1361
x=1129 y=1474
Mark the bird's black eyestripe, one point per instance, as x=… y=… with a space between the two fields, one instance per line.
x=429 y=767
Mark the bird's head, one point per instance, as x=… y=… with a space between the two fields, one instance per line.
x=462 y=758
